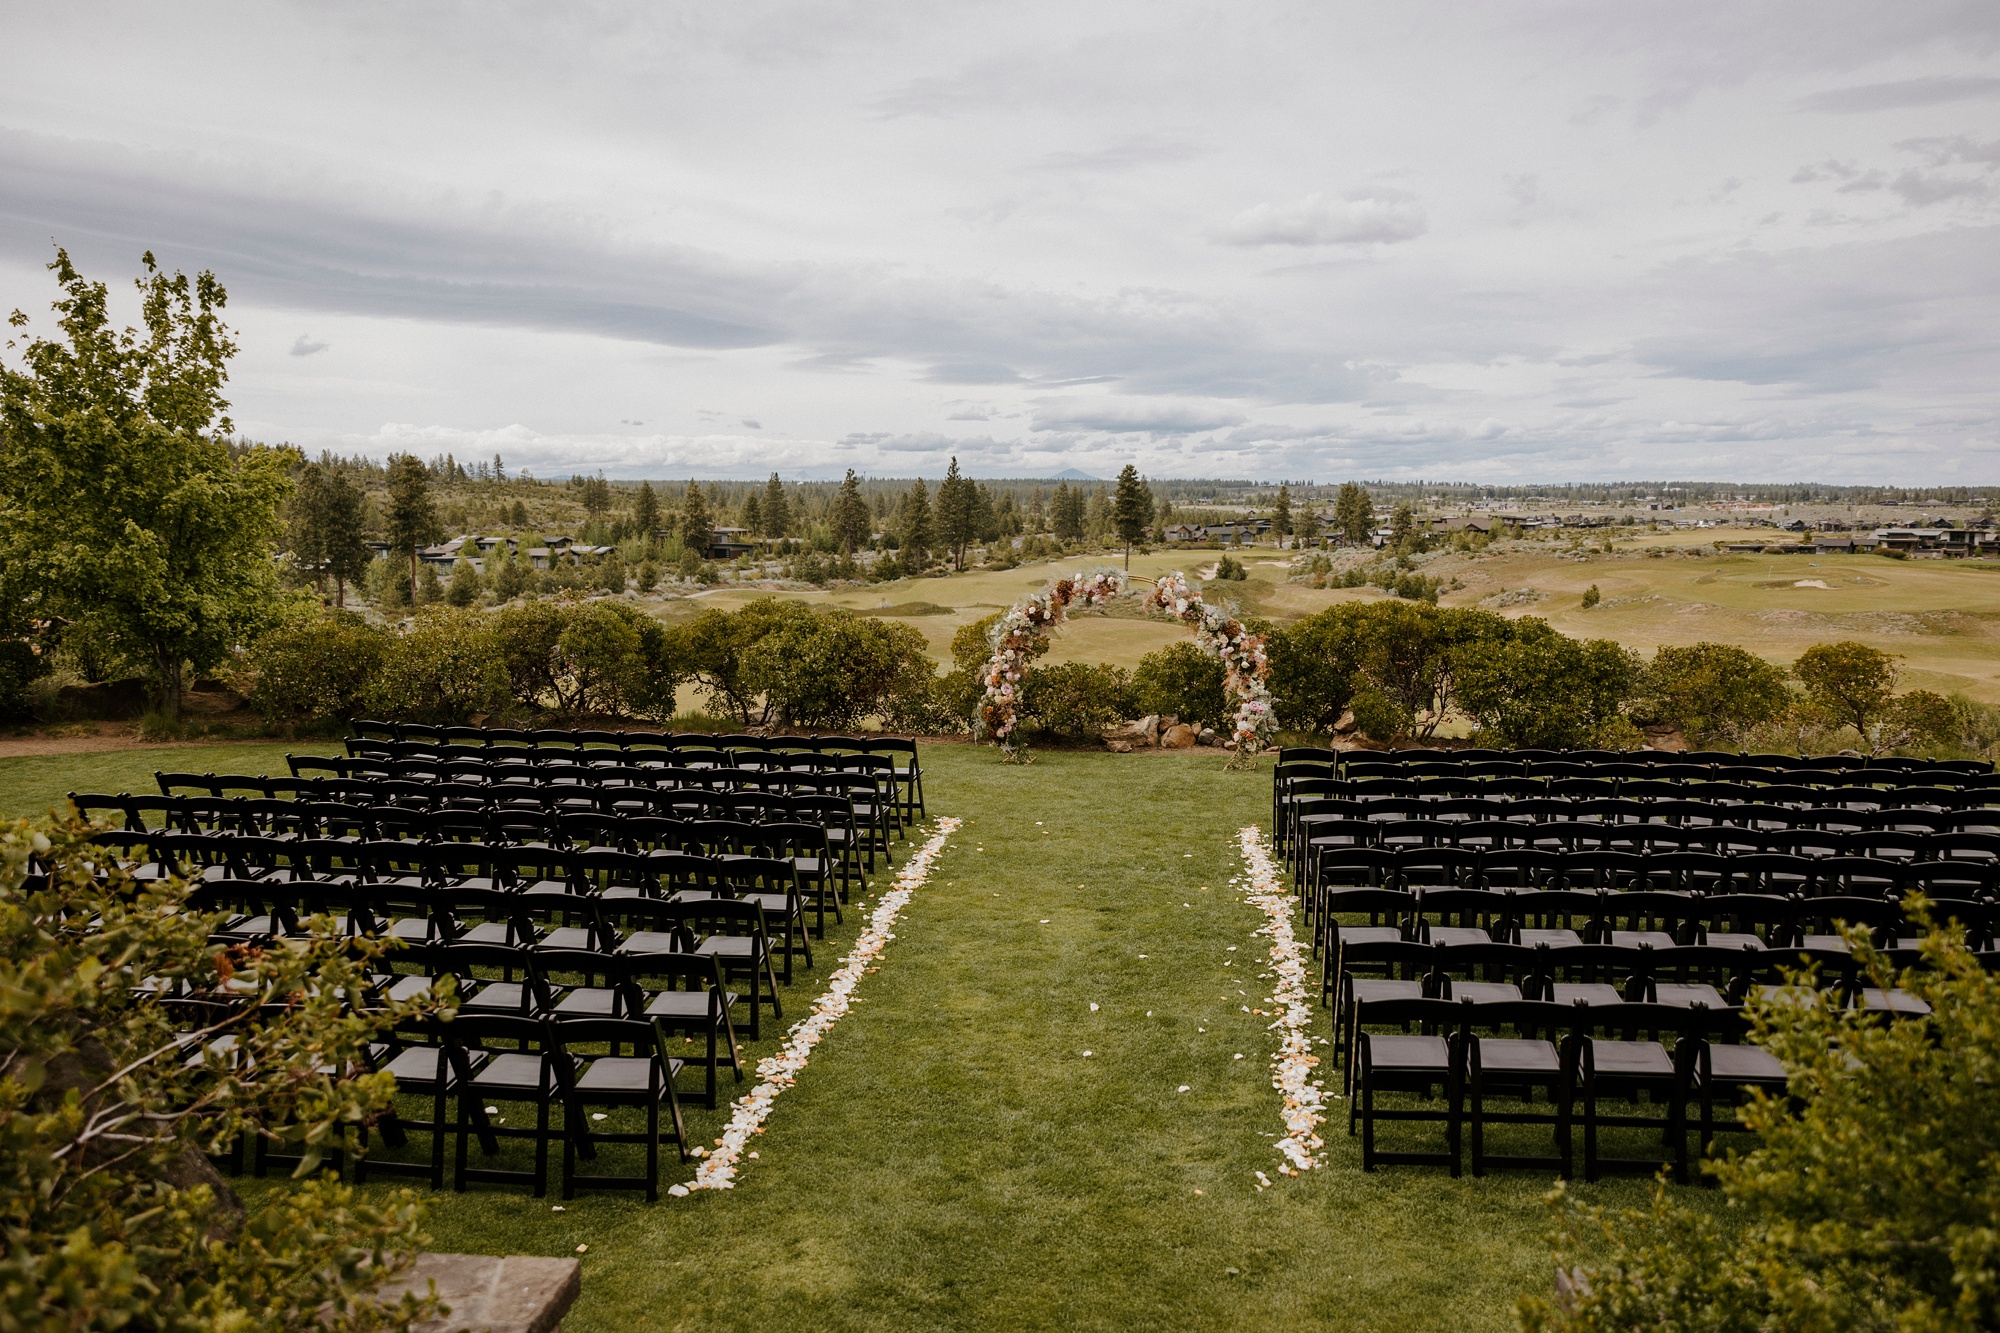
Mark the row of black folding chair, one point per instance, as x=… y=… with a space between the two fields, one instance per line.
x=541 y=1065
x=1632 y=880
x=1647 y=759
x=899 y=751
x=1885 y=796
x=1333 y=799
x=1665 y=923
x=428 y=893
x=1692 y=779
x=1579 y=1058
x=1640 y=839
x=635 y=822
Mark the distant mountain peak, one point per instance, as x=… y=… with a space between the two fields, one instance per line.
x=1072 y=474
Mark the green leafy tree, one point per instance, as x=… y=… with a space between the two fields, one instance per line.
x=120 y=503
x=412 y=518
x=1131 y=510
x=1851 y=683
x=646 y=514
x=833 y=668
x=1538 y=687
x=323 y=530
x=116 y=1081
x=777 y=508
x=1354 y=514
x=696 y=527
x=1712 y=692
x=1415 y=651
x=1308 y=525
x=1281 y=514
x=714 y=645
x=1872 y=1205
x=587 y=658
x=850 y=521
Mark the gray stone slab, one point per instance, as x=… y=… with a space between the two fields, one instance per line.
x=516 y=1293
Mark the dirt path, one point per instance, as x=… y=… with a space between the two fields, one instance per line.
x=21 y=747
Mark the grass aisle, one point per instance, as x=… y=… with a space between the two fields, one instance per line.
x=951 y=1159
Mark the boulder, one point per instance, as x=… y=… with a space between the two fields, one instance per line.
x=1209 y=736
x=1182 y=737
x=1143 y=731
x=1118 y=747
x=1346 y=724
x=485 y=1294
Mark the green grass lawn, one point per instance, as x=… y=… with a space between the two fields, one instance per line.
x=952 y=1160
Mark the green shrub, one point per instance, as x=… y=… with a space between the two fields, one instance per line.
x=587 y=658
x=1713 y=692
x=111 y=1095
x=443 y=671
x=314 y=668
x=1591 y=597
x=1543 y=689
x=611 y=574
x=1230 y=570
x=21 y=665
x=648 y=576
x=834 y=668
x=1075 y=699
x=1182 y=680
x=1870 y=1205
x=509 y=575
x=1315 y=664
x=1381 y=718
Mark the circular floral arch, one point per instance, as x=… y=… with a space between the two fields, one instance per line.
x=1023 y=633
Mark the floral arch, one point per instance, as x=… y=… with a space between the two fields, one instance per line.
x=1024 y=631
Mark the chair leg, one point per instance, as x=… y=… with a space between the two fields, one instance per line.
x=542 y=1145
x=653 y=1150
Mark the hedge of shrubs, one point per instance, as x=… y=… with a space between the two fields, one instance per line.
x=1391 y=671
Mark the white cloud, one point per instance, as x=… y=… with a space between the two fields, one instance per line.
x=1031 y=235
x=1362 y=218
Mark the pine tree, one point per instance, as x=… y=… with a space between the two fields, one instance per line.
x=596 y=495
x=323 y=529
x=1308 y=524
x=777 y=509
x=1037 y=511
x=646 y=514
x=1066 y=513
x=1281 y=515
x=850 y=519
x=1354 y=514
x=1132 y=510
x=412 y=518
x=915 y=528
x=499 y=469
x=695 y=524
x=956 y=502
x=753 y=515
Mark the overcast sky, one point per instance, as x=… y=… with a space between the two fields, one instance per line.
x=1506 y=242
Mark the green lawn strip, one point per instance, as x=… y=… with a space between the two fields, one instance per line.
x=950 y=1159
x=33 y=785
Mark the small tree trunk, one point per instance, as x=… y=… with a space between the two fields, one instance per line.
x=167 y=670
x=339 y=593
